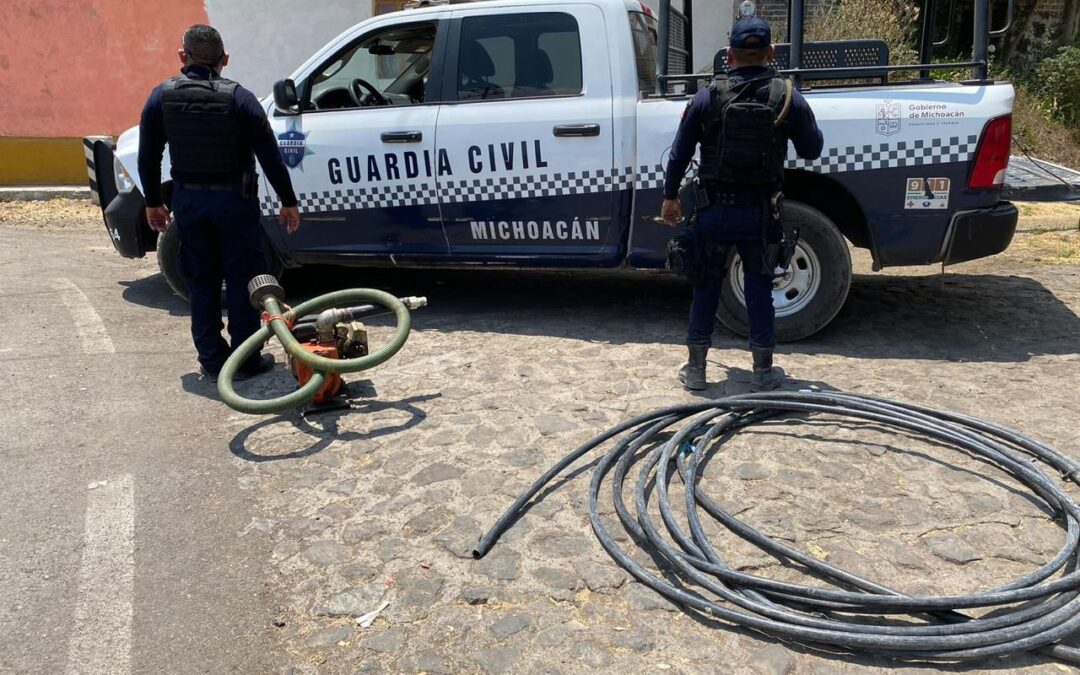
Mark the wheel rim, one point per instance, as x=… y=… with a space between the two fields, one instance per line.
x=791 y=292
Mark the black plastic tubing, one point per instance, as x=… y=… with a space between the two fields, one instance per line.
x=1031 y=613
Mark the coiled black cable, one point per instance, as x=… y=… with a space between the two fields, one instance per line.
x=1031 y=613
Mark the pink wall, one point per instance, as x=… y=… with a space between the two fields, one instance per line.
x=77 y=67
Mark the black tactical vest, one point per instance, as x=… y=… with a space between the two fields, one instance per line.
x=201 y=127
x=745 y=136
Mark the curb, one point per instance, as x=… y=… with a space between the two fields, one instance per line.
x=36 y=193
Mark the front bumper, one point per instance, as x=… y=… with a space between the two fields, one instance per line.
x=125 y=219
x=124 y=212
x=981 y=233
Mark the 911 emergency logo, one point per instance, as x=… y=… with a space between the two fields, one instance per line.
x=293 y=147
x=887 y=118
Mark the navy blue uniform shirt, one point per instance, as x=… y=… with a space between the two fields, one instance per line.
x=252 y=123
x=802 y=128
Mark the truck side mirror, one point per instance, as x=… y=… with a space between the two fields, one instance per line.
x=285 y=99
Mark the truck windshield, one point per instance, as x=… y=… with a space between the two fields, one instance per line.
x=643 y=28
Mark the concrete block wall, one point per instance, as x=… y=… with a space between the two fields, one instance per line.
x=84 y=67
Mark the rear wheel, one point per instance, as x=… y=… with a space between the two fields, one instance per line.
x=812 y=291
x=168 y=254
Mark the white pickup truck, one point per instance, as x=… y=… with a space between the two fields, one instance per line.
x=533 y=133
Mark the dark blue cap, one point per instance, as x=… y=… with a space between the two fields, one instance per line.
x=750 y=33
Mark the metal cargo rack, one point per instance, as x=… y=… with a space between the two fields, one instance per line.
x=863 y=61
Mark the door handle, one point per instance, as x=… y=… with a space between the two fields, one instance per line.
x=572 y=130
x=402 y=136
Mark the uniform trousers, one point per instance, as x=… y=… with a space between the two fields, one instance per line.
x=739 y=227
x=219 y=241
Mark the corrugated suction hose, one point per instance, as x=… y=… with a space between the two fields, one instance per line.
x=266 y=294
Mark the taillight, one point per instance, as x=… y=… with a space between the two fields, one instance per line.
x=992 y=155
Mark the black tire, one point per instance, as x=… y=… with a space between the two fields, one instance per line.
x=168 y=260
x=823 y=254
x=168 y=254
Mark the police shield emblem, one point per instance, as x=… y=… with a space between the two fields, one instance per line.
x=292 y=144
x=887 y=119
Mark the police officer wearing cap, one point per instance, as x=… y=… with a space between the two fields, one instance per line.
x=740 y=183
x=214 y=128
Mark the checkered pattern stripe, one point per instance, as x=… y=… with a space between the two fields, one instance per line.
x=650 y=177
x=861 y=158
x=380 y=197
x=889 y=156
x=539 y=185
x=459 y=191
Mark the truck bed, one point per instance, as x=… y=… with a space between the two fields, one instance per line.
x=1036 y=180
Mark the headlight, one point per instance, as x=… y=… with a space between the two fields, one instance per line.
x=123 y=180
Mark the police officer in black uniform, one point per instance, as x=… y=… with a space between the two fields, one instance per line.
x=214 y=128
x=743 y=123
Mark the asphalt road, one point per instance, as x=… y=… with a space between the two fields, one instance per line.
x=120 y=522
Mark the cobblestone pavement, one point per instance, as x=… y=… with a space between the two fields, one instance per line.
x=505 y=374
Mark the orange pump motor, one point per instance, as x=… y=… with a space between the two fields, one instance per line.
x=303 y=374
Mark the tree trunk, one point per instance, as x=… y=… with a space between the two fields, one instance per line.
x=1070 y=23
x=1016 y=41
x=1039 y=29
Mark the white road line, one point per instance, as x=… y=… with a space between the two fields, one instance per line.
x=101 y=641
x=92 y=334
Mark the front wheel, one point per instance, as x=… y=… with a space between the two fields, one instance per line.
x=168 y=260
x=168 y=255
x=812 y=291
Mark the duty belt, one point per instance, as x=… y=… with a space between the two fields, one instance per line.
x=221 y=187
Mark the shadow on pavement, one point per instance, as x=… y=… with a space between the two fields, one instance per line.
x=199 y=385
x=324 y=429
x=955 y=317
x=278 y=382
x=154 y=292
x=733 y=381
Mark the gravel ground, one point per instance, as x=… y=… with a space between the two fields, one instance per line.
x=54 y=215
x=499 y=380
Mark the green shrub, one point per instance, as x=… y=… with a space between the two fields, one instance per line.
x=1058 y=86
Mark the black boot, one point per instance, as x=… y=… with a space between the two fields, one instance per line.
x=766 y=376
x=692 y=374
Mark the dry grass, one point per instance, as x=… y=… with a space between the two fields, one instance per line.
x=1046 y=248
x=1048 y=216
x=1048 y=234
x=54 y=214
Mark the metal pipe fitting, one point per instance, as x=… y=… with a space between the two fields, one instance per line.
x=325 y=322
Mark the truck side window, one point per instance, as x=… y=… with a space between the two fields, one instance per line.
x=394 y=62
x=525 y=55
x=643 y=28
